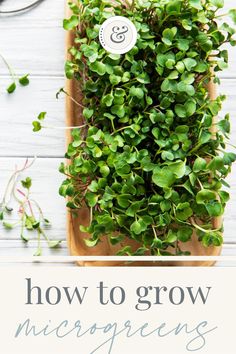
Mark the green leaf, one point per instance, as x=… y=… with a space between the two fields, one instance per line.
x=205 y=43
x=178 y=168
x=8 y=225
x=215 y=209
x=212 y=238
x=205 y=137
x=190 y=63
x=218 y=3
x=196 y=4
x=105 y=171
x=199 y=165
x=183 y=211
x=190 y=107
x=125 y=251
x=174 y=7
x=115 y=79
x=124 y=200
x=167 y=155
x=54 y=243
x=164 y=178
x=180 y=110
x=205 y=196
x=180 y=67
x=70 y=23
x=116 y=239
x=165 y=205
x=69 y=69
x=217 y=163
x=27 y=183
x=143 y=78
x=88 y=113
x=168 y=35
x=36 y=126
x=184 y=233
x=224 y=196
x=11 y=88
x=224 y=126
x=136 y=92
x=98 y=67
x=118 y=110
x=134 y=208
x=171 y=237
x=183 y=44
x=91 y=243
x=97 y=152
x=24 y=80
x=108 y=100
x=232 y=14
x=93 y=187
x=138 y=227
x=42 y=115
x=91 y=199
x=187 y=24
x=182 y=86
x=201 y=67
x=92 y=33
x=229 y=158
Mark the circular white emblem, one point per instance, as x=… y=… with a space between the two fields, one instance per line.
x=118 y=35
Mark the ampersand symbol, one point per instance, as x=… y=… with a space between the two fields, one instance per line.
x=118 y=34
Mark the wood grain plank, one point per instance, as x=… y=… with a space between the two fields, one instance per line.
x=228 y=87
x=18 y=248
x=10 y=249
x=17 y=111
x=46 y=181
x=37 y=36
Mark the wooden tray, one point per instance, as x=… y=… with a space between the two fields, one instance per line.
x=75 y=237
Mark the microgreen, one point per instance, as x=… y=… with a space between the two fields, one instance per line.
x=37 y=124
x=23 y=81
x=145 y=161
x=30 y=215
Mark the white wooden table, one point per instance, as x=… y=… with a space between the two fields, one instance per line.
x=34 y=43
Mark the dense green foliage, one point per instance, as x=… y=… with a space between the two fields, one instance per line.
x=147 y=163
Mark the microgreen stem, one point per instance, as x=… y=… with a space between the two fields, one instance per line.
x=65 y=127
x=11 y=71
x=12 y=182
x=154 y=232
x=201 y=228
x=71 y=98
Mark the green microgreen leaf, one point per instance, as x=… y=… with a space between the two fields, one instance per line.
x=27 y=183
x=71 y=23
x=36 y=126
x=24 y=80
x=11 y=88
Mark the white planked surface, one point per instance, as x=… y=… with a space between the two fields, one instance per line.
x=34 y=43
x=17 y=111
